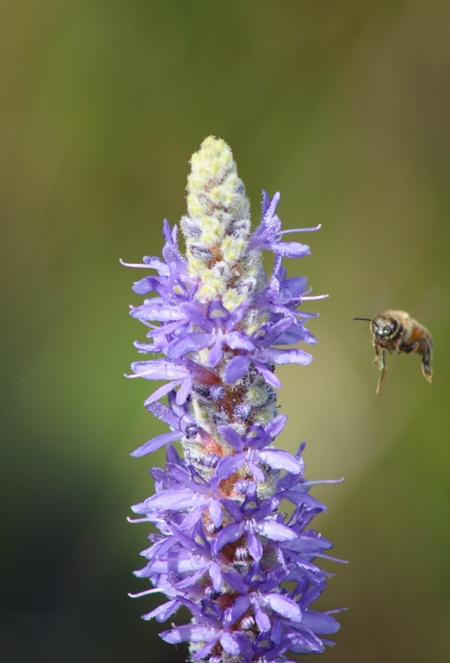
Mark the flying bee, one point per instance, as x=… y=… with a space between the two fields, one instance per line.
x=396 y=330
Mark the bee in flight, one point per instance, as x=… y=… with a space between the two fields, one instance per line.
x=396 y=330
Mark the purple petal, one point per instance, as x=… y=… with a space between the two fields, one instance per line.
x=233 y=508
x=162 y=391
x=196 y=315
x=154 y=310
x=192 y=342
x=236 y=611
x=245 y=647
x=215 y=511
x=158 y=369
x=180 y=562
x=218 y=312
x=239 y=341
x=262 y=619
x=229 y=464
x=150 y=348
x=236 y=368
x=235 y=581
x=254 y=546
x=295 y=285
x=203 y=652
x=256 y=471
x=290 y=249
x=215 y=354
x=295 y=334
x=216 y=576
x=144 y=286
x=280 y=460
x=156 y=443
x=284 y=606
x=230 y=534
x=276 y=531
x=175 y=499
x=269 y=206
x=291 y=356
x=267 y=374
x=275 y=426
x=163 y=612
x=184 y=391
x=188 y=633
x=231 y=436
x=320 y=622
x=229 y=644
x=163 y=413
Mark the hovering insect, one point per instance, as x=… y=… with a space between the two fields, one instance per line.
x=396 y=330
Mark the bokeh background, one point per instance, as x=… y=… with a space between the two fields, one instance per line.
x=344 y=107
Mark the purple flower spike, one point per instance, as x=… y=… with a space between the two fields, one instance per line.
x=217 y=327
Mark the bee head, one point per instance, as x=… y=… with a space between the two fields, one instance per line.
x=384 y=328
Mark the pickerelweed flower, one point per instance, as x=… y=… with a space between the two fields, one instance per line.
x=217 y=327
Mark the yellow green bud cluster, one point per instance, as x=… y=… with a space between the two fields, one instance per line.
x=217 y=228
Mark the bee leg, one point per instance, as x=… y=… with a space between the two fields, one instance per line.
x=380 y=359
x=398 y=346
x=426 y=362
x=376 y=359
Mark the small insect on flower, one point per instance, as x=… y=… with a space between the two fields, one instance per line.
x=396 y=330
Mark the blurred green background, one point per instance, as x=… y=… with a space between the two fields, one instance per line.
x=344 y=107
